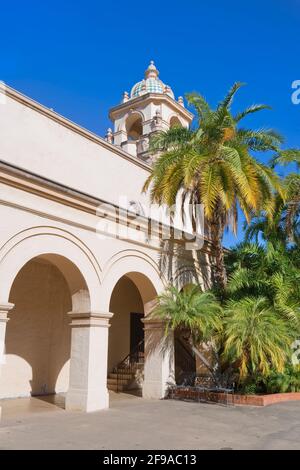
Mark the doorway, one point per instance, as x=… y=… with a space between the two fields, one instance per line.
x=136 y=333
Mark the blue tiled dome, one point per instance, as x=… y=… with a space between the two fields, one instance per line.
x=151 y=84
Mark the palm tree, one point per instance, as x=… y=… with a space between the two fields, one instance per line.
x=285 y=223
x=190 y=309
x=270 y=271
x=291 y=208
x=212 y=165
x=196 y=314
x=291 y=212
x=257 y=340
x=266 y=228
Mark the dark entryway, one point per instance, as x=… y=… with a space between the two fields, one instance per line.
x=136 y=332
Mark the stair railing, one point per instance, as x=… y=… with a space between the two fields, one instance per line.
x=185 y=359
x=128 y=364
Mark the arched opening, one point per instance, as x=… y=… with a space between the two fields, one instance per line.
x=38 y=333
x=128 y=303
x=175 y=122
x=134 y=126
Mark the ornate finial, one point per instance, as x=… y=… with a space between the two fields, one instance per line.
x=125 y=97
x=109 y=136
x=151 y=71
x=180 y=100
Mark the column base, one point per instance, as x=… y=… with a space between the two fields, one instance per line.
x=159 y=359
x=154 y=389
x=81 y=400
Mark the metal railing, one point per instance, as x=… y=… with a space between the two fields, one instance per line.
x=184 y=359
x=129 y=364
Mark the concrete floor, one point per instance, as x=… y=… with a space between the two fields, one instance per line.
x=135 y=423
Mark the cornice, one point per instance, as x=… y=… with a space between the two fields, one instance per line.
x=147 y=97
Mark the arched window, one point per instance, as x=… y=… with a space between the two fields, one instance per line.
x=175 y=122
x=134 y=126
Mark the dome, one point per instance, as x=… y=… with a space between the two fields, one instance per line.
x=151 y=84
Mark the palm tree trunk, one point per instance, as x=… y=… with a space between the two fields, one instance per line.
x=217 y=231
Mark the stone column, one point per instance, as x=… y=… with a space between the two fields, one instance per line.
x=4 y=309
x=159 y=359
x=88 y=364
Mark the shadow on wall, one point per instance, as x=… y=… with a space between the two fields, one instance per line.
x=182 y=267
x=159 y=349
x=38 y=332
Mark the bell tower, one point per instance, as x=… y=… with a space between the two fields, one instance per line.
x=150 y=107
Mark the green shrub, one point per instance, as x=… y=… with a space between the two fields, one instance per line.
x=250 y=389
x=288 y=381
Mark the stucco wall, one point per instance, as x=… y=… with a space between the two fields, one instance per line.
x=36 y=143
x=38 y=333
x=125 y=299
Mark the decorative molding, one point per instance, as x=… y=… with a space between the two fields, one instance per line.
x=88 y=319
x=154 y=323
x=145 y=98
x=5 y=307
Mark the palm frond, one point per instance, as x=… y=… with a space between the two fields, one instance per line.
x=199 y=103
x=285 y=157
x=174 y=138
x=250 y=110
x=226 y=102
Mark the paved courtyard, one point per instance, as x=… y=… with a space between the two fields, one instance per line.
x=134 y=423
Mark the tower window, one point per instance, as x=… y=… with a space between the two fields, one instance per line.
x=134 y=126
x=174 y=122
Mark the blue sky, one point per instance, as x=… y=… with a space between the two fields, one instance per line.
x=79 y=56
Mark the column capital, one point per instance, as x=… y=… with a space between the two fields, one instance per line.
x=5 y=307
x=154 y=323
x=82 y=319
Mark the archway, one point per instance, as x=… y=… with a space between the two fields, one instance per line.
x=144 y=273
x=56 y=245
x=79 y=275
x=38 y=333
x=126 y=336
x=175 y=122
x=134 y=126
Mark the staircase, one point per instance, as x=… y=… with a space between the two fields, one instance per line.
x=185 y=361
x=128 y=374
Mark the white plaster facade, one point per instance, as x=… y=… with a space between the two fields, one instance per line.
x=59 y=266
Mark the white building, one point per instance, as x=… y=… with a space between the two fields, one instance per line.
x=76 y=277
